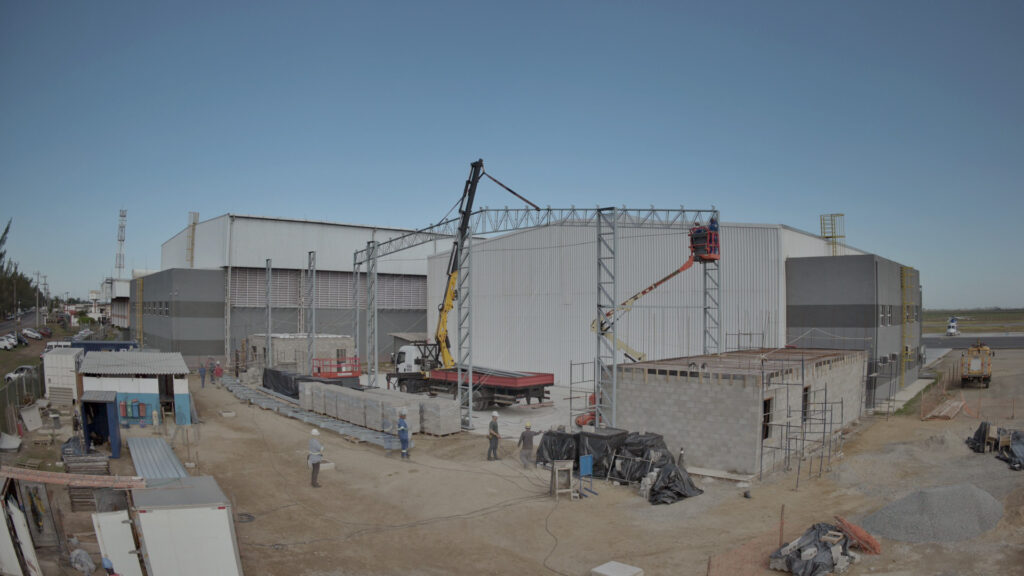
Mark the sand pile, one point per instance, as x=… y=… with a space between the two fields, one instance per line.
x=944 y=514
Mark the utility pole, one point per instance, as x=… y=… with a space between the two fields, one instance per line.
x=37 y=299
x=270 y=341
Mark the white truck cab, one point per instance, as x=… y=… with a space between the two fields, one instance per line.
x=408 y=359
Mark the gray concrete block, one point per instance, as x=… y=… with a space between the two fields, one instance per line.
x=373 y=412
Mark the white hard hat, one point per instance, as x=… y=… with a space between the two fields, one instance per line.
x=403 y=412
x=495 y=414
x=315 y=432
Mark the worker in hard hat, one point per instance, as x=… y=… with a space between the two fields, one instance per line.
x=526 y=446
x=492 y=437
x=403 y=433
x=316 y=455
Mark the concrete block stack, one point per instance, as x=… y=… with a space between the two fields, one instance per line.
x=318 y=398
x=305 y=395
x=392 y=403
x=330 y=401
x=439 y=416
x=373 y=408
x=350 y=406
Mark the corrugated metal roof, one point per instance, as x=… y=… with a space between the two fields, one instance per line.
x=134 y=362
x=191 y=491
x=154 y=459
x=99 y=396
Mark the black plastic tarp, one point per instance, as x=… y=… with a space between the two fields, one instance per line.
x=977 y=442
x=673 y=484
x=281 y=382
x=603 y=443
x=822 y=563
x=556 y=445
x=1014 y=453
x=638 y=455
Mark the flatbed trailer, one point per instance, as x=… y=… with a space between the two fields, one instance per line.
x=491 y=387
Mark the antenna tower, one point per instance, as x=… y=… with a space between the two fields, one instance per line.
x=119 y=262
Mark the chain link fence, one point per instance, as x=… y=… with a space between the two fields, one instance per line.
x=21 y=391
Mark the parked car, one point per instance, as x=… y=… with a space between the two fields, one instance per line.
x=6 y=344
x=46 y=332
x=31 y=333
x=18 y=372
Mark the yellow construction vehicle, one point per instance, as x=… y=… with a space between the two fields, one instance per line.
x=976 y=365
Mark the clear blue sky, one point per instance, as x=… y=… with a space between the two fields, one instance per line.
x=906 y=116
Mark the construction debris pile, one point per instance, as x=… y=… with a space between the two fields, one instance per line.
x=1006 y=443
x=823 y=549
x=625 y=457
x=942 y=514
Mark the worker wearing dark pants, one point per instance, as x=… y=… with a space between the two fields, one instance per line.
x=493 y=436
x=316 y=455
x=202 y=376
x=526 y=446
x=403 y=433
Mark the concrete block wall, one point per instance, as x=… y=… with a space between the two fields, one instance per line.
x=394 y=402
x=715 y=418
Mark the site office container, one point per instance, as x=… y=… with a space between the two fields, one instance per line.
x=60 y=369
x=183 y=526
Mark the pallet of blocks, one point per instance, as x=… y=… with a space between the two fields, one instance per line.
x=439 y=416
x=318 y=398
x=305 y=394
x=330 y=401
x=350 y=406
x=373 y=408
x=393 y=402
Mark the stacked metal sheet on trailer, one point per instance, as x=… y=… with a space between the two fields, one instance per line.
x=256 y=397
x=154 y=459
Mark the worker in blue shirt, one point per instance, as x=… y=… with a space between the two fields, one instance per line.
x=202 y=375
x=403 y=433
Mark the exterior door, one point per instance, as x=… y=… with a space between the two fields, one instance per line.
x=114 y=534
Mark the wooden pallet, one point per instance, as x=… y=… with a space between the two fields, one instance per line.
x=31 y=463
x=946 y=411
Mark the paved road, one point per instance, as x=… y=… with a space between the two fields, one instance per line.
x=27 y=319
x=994 y=341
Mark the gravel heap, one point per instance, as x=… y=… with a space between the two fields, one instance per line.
x=943 y=514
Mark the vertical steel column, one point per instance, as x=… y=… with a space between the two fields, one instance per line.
x=311 y=301
x=464 y=340
x=371 y=312
x=712 y=308
x=268 y=361
x=356 y=292
x=606 y=359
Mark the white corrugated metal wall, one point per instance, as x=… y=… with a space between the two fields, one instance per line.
x=534 y=294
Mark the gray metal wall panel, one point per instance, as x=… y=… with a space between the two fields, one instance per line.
x=830 y=280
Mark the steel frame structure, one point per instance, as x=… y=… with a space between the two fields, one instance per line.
x=311 y=299
x=484 y=221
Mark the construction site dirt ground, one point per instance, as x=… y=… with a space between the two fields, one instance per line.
x=449 y=511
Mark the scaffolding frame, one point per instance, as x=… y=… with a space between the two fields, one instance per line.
x=805 y=435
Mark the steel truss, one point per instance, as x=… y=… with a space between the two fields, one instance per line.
x=485 y=221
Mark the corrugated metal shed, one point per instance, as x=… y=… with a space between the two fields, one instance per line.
x=180 y=493
x=99 y=396
x=134 y=362
x=154 y=459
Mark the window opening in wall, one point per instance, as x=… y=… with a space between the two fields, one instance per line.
x=766 y=420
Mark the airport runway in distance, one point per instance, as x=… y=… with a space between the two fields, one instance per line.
x=1000 y=341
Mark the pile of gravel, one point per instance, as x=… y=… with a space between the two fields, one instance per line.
x=944 y=514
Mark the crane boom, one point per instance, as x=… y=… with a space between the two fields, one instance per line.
x=450 y=290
